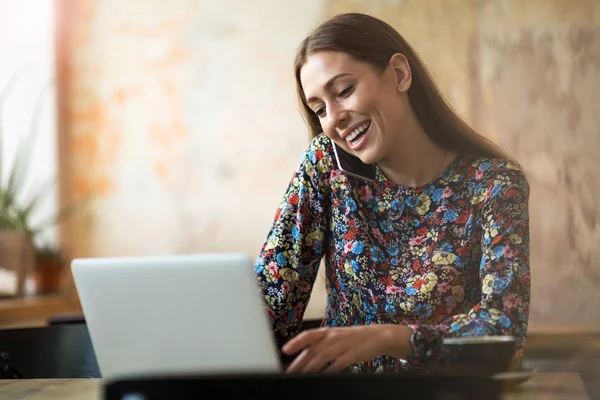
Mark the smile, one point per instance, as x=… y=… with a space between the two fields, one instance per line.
x=358 y=132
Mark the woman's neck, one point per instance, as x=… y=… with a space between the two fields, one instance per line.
x=417 y=161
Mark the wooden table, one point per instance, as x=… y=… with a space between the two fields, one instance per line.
x=547 y=386
x=35 y=311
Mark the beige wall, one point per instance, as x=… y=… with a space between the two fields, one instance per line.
x=182 y=117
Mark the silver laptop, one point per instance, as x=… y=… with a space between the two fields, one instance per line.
x=175 y=315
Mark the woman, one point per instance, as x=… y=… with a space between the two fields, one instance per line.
x=436 y=246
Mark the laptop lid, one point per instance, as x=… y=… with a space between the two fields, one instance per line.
x=178 y=314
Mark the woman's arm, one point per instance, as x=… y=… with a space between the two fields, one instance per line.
x=503 y=272
x=288 y=262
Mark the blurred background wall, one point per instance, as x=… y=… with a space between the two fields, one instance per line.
x=181 y=118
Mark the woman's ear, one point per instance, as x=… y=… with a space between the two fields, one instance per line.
x=399 y=65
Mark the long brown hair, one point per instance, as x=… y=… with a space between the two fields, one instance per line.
x=371 y=40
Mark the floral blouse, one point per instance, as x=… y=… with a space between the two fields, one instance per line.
x=449 y=258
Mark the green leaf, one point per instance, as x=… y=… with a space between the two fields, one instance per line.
x=15 y=213
x=42 y=194
x=63 y=213
x=21 y=164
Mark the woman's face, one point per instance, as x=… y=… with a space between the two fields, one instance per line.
x=360 y=109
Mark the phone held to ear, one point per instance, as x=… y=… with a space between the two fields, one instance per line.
x=352 y=165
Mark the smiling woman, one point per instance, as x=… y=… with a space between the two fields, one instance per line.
x=436 y=246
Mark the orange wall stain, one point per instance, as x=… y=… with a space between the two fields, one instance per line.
x=156 y=29
x=161 y=171
x=93 y=142
x=176 y=55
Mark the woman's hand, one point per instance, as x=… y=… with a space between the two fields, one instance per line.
x=346 y=346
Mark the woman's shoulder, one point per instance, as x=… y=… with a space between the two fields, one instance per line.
x=495 y=168
x=490 y=177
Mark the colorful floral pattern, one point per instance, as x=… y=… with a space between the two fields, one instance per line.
x=449 y=258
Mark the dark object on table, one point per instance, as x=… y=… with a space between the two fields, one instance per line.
x=479 y=356
x=299 y=386
x=63 y=319
x=62 y=351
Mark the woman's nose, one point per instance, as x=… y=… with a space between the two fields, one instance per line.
x=337 y=119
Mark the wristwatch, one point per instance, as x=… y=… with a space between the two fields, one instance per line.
x=417 y=340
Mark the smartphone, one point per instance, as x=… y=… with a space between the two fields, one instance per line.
x=352 y=165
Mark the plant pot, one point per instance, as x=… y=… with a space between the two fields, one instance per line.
x=17 y=257
x=48 y=274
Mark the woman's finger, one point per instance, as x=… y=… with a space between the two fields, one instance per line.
x=304 y=340
x=323 y=355
x=300 y=361
x=314 y=358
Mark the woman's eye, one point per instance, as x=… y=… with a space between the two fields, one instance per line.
x=347 y=91
x=320 y=112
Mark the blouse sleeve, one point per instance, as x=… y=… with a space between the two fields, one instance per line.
x=288 y=262
x=504 y=273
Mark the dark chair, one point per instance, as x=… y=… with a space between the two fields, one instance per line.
x=55 y=351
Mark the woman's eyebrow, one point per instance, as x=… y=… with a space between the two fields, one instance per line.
x=328 y=85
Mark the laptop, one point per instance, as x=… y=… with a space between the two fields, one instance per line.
x=175 y=315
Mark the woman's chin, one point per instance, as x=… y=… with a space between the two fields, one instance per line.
x=367 y=157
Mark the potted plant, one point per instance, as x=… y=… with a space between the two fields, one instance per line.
x=16 y=210
x=48 y=269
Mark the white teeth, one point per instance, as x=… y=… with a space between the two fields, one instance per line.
x=357 y=132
